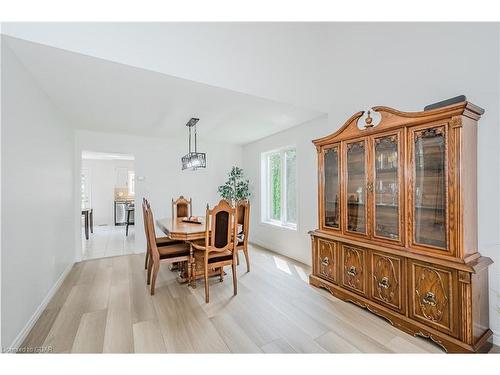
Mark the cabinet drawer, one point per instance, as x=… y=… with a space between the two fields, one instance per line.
x=353 y=270
x=326 y=260
x=432 y=296
x=387 y=284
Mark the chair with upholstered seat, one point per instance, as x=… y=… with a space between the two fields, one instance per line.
x=243 y=220
x=160 y=241
x=219 y=246
x=171 y=253
x=181 y=207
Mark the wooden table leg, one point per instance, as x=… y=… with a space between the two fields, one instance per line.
x=192 y=268
x=192 y=275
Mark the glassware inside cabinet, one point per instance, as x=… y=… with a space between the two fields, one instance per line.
x=386 y=181
x=356 y=187
x=429 y=225
x=332 y=188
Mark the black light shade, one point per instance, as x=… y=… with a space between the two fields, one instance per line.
x=193 y=160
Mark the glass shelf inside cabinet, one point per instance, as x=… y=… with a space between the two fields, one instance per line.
x=356 y=187
x=430 y=187
x=386 y=187
x=332 y=188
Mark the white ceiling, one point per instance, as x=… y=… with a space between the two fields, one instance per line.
x=101 y=95
x=288 y=62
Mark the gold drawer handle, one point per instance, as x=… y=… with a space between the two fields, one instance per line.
x=384 y=283
x=352 y=271
x=325 y=262
x=430 y=299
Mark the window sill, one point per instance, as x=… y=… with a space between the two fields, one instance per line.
x=280 y=225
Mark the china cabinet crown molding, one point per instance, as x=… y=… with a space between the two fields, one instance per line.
x=392 y=118
x=397 y=205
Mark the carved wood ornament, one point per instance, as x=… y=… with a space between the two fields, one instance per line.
x=431 y=294
x=353 y=268
x=385 y=279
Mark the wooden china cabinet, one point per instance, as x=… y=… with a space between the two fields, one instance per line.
x=398 y=222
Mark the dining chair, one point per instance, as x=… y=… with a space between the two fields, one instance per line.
x=160 y=241
x=181 y=207
x=171 y=253
x=243 y=219
x=219 y=246
x=130 y=208
x=86 y=215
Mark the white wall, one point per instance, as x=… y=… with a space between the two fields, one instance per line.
x=102 y=187
x=292 y=243
x=37 y=198
x=404 y=66
x=157 y=160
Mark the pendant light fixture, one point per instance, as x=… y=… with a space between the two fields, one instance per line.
x=193 y=160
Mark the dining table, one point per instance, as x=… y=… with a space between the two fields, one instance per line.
x=177 y=229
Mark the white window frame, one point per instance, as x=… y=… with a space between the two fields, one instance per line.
x=266 y=189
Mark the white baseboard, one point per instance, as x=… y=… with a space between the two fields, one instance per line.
x=258 y=243
x=18 y=341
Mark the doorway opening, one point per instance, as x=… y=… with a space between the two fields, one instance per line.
x=107 y=183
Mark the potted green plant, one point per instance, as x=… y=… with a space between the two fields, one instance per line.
x=236 y=188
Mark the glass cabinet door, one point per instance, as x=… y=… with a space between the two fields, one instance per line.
x=386 y=187
x=429 y=187
x=331 y=188
x=356 y=187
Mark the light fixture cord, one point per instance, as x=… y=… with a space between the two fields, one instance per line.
x=195 y=146
x=189 y=151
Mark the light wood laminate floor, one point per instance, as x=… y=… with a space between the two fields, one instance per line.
x=104 y=306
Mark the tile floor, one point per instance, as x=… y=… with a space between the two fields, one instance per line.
x=107 y=241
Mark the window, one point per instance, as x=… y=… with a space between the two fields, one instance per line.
x=131 y=183
x=279 y=187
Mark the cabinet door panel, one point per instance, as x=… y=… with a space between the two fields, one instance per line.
x=354 y=269
x=331 y=189
x=387 y=187
x=429 y=187
x=432 y=296
x=355 y=187
x=326 y=260
x=388 y=281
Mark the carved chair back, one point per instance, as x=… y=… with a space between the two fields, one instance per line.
x=243 y=219
x=220 y=227
x=181 y=207
x=150 y=233
x=144 y=218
